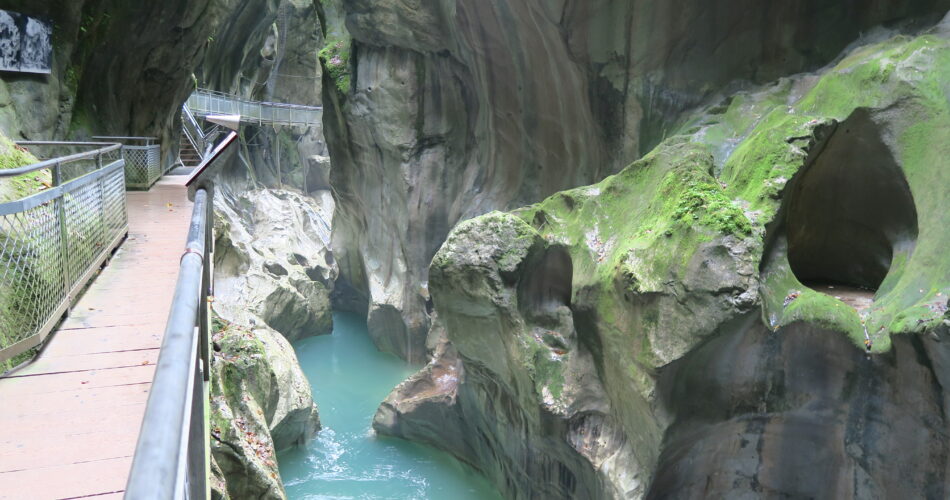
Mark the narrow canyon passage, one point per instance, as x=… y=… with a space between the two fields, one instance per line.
x=350 y=377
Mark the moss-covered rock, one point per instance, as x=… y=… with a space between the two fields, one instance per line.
x=608 y=287
x=260 y=403
x=15 y=188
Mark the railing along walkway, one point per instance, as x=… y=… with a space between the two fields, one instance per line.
x=143 y=157
x=209 y=102
x=71 y=419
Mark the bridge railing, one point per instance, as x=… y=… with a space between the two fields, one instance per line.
x=193 y=131
x=208 y=102
x=172 y=456
x=53 y=240
x=143 y=160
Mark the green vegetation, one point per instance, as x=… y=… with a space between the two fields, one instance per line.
x=335 y=57
x=548 y=371
x=14 y=188
x=704 y=201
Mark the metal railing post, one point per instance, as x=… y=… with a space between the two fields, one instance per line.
x=60 y=203
x=101 y=185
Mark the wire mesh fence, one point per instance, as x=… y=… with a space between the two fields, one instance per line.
x=52 y=241
x=142 y=160
x=142 y=165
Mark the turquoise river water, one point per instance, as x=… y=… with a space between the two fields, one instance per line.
x=350 y=378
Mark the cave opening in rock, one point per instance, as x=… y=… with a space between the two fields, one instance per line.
x=850 y=214
x=548 y=286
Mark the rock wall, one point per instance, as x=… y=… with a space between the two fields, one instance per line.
x=260 y=403
x=119 y=68
x=646 y=336
x=274 y=274
x=272 y=260
x=440 y=110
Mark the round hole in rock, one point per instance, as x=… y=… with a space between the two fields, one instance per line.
x=851 y=210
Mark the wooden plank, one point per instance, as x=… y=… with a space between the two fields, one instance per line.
x=32 y=453
x=63 y=382
x=85 y=416
x=66 y=481
x=87 y=362
x=104 y=339
x=68 y=402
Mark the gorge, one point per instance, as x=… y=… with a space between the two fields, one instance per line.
x=549 y=249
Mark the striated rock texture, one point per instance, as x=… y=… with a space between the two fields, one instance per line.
x=440 y=110
x=273 y=264
x=260 y=403
x=656 y=335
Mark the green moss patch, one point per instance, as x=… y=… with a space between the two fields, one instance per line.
x=15 y=188
x=335 y=57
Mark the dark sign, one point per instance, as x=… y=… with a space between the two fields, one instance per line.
x=25 y=43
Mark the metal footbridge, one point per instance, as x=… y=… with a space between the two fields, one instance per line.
x=104 y=323
x=204 y=103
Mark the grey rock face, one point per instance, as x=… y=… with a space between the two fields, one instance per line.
x=459 y=107
x=801 y=413
x=512 y=389
x=273 y=262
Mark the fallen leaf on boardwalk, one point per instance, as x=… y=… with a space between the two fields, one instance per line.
x=84 y=382
x=144 y=363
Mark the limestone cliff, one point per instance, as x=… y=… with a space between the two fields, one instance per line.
x=272 y=260
x=273 y=277
x=440 y=110
x=668 y=332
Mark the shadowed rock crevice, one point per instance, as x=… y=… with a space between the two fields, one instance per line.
x=851 y=210
x=547 y=285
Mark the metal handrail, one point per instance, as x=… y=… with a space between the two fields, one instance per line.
x=142 y=161
x=235 y=97
x=54 y=163
x=193 y=133
x=53 y=242
x=172 y=456
x=121 y=138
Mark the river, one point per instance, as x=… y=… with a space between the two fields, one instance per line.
x=350 y=378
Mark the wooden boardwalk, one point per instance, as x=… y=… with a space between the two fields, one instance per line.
x=70 y=420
